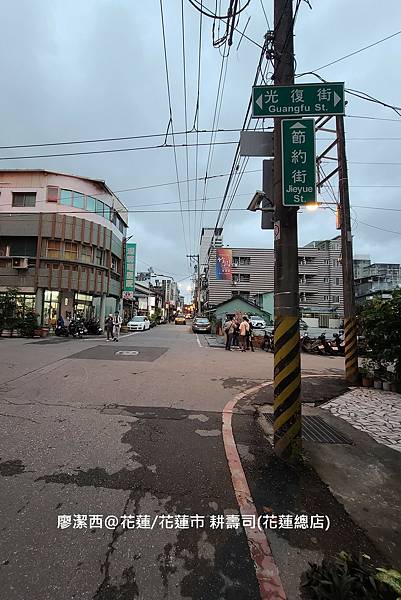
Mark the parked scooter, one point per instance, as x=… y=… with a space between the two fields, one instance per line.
x=339 y=344
x=76 y=328
x=313 y=346
x=268 y=342
x=92 y=327
x=61 y=330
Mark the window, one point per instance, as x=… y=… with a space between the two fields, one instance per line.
x=114 y=263
x=71 y=251
x=78 y=200
x=98 y=256
x=107 y=212
x=66 y=197
x=235 y=278
x=244 y=260
x=53 y=248
x=90 y=203
x=25 y=199
x=99 y=207
x=335 y=298
x=325 y=297
x=52 y=193
x=326 y=279
x=86 y=253
x=337 y=281
x=245 y=277
x=326 y=261
x=244 y=294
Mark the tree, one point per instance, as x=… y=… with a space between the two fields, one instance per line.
x=380 y=323
x=9 y=309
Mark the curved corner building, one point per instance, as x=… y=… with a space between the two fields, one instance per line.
x=61 y=243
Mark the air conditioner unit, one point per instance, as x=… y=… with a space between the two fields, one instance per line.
x=20 y=263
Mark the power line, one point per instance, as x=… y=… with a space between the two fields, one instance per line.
x=116 y=150
x=372 y=118
x=185 y=111
x=171 y=122
x=333 y=62
x=196 y=122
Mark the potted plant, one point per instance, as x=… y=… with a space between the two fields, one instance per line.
x=366 y=372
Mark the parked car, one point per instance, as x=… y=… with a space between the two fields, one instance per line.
x=201 y=325
x=180 y=320
x=138 y=323
x=257 y=322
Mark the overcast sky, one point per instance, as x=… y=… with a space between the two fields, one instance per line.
x=87 y=69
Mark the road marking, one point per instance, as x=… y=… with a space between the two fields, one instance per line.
x=198 y=340
x=127 y=353
x=124 y=335
x=267 y=574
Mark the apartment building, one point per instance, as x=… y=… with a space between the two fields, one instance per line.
x=250 y=274
x=375 y=279
x=61 y=243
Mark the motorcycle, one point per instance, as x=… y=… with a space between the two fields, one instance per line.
x=338 y=344
x=268 y=342
x=92 y=327
x=61 y=331
x=313 y=346
x=76 y=328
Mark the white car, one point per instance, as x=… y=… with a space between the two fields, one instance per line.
x=138 y=324
x=257 y=322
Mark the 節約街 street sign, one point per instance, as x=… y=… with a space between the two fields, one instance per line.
x=306 y=99
x=298 y=161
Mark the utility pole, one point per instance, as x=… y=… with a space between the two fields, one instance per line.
x=350 y=329
x=198 y=291
x=287 y=368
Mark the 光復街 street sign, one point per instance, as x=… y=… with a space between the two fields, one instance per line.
x=298 y=161
x=306 y=99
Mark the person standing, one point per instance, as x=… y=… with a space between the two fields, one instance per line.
x=117 y=321
x=249 y=343
x=109 y=327
x=243 y=330
x=229 y=330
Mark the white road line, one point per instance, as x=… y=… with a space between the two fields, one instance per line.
x=198 y=340
x=124 y=335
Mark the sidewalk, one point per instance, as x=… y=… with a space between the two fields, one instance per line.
x=355 y=483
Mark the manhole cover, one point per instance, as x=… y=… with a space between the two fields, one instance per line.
x=315 y=429
x=116 y=352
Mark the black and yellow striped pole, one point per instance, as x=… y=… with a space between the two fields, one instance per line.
x=287 y=375
x=350 y=326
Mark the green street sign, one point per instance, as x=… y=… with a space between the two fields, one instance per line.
x=298 y=161
x=303 y=100
x=129 y=268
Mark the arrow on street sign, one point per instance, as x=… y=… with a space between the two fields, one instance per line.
x=337 y=98
x=259 y=101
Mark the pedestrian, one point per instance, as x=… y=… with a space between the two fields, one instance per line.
x=117 y=321
x=109 y=327
x=249 y=334
x=235 y=340
x=243 y=329
x=229 y=330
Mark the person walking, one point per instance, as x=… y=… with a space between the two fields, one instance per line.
x=243 y=329
x=249 y=333
x=229 y=330
x=109 y=327
x=117 y=321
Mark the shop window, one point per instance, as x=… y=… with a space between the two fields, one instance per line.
x=53 y=248
x=90 y=204
x=52 y=193
x=86 y=253
x=71 y=251
x=66 y=197
x=25 y=199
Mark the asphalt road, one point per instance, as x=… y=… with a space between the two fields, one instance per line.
x=90 y=429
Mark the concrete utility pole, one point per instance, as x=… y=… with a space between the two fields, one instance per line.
x=287 y=369
x=350 y=329
x=198 y=291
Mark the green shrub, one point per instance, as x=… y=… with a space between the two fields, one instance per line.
x=345 y=577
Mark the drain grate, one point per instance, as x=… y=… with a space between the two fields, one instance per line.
x=315 y=429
